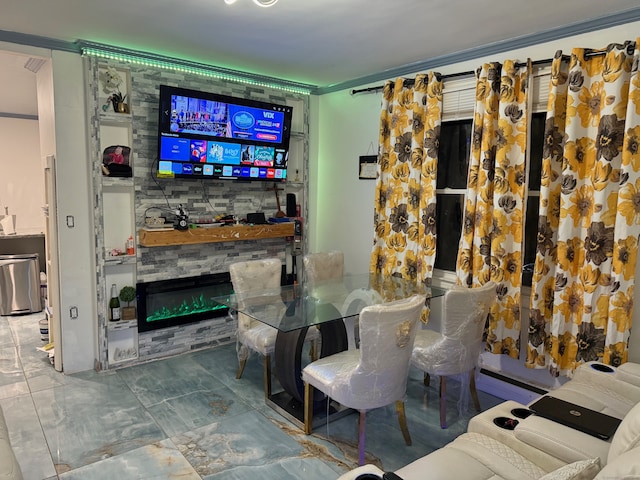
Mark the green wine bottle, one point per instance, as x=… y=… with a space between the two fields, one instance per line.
x=114 y=305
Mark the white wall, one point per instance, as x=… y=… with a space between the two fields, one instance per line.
x=22 y=185
x=62 y=108
x=347 y=128
x=347 y=124
x=74 y=187
x=22 y=178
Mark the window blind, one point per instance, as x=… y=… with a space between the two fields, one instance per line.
x=459 y=95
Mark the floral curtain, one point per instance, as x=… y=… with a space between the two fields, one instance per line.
x=491 y=242
x=582 y=292
x=405 y=203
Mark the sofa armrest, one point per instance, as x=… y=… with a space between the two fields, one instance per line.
x=629 y=372
x=483 y=423
x=564 y=443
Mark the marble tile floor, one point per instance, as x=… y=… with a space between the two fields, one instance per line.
x=188 y=417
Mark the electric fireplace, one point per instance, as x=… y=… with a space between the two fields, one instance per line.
x=169 y=303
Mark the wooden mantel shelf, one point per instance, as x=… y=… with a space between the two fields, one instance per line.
x=231 y=233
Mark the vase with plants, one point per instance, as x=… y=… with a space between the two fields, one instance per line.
x=118 y=101
x=128 y=295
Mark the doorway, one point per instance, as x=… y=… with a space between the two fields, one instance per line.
x=25 y=196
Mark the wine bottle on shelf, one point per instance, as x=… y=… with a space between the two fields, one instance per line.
x=114 y=305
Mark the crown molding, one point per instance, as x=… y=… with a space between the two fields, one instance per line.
x=565 y=31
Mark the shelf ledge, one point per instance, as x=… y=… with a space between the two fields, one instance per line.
x=233 y=233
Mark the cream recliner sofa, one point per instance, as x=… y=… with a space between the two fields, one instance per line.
x=9 y=468
x=610 y=390
x=539 y=448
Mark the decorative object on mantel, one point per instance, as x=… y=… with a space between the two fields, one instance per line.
x=279 y=213
x=128 y=295
x=157 y=222
x=116 y=161
x=182 y=219
x=111 y=82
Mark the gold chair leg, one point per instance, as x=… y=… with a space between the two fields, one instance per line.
x=443 y=402
x=308 y=408
x=241 y=365
x=427 y=380
x=267 y=376
x=361 y=430
x=402 y=419
x=474 y=393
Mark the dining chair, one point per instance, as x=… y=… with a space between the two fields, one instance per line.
x=247 y=277
x=321 y=267
x=455 y=349
x=374 y=375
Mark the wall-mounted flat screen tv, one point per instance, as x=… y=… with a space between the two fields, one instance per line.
x=209 y=136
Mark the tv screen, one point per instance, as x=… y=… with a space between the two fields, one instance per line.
x=205 y=135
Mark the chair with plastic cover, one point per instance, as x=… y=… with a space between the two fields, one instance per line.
x=322 y=267
x=247 y=278
x=373 y=376
x=455 y=350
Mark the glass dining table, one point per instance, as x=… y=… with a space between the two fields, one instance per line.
x=326 y=305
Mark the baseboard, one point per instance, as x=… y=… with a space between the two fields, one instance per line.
x=507 y=388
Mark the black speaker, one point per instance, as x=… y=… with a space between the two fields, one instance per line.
x=291 y=205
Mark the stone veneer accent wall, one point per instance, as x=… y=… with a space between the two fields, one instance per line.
x=200 y=198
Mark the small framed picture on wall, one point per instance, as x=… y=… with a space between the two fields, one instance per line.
x=368 y=167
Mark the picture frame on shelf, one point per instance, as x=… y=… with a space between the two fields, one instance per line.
x=116 y=161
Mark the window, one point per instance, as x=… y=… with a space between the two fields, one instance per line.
x=453 y=165
x=533 y=196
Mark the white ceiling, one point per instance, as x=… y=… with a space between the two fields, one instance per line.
x=317 y=42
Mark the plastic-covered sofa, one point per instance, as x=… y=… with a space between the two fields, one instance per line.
x=606 y=389
x=523 y=446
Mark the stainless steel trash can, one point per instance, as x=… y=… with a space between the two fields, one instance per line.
x=19 y=284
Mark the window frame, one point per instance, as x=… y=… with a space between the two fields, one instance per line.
x=458 y=104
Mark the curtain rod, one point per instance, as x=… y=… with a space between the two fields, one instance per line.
x=410 y=81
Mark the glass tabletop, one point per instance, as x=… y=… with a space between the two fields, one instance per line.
x=292 y=307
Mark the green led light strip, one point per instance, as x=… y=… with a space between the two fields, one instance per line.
x=152 y=60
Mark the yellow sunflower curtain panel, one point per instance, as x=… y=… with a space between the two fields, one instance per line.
x=405 y=202
x=582 y=291
x=491 y=242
